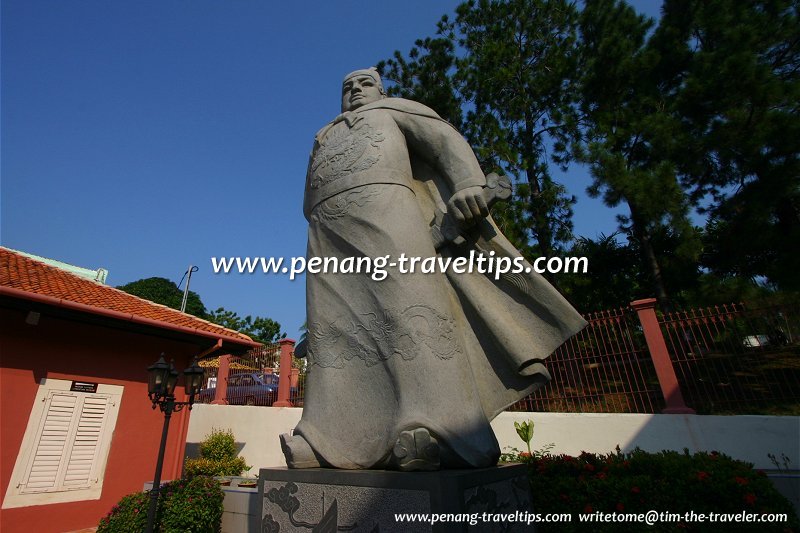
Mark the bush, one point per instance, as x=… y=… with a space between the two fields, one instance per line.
x=217 y=457
x=130 y=514
x=206 y=467
x=668 y=481
x=192 y=505
x=219 y=445
x=187 y=505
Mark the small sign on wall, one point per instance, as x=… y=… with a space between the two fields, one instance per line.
x=83 y=386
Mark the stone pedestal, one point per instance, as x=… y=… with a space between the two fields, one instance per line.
x=317 y=500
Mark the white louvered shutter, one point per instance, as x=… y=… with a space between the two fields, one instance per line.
x=68 y=444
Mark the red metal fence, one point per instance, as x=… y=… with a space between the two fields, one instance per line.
x=722 y=360
x=735 y=359
x=256 y=378
x=604 y=368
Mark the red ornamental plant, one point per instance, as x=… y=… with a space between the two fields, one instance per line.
x=638 y=482
x=184 y=505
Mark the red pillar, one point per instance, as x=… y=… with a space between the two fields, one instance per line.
x=221 y=390
x=285 y=382
x=658 y=352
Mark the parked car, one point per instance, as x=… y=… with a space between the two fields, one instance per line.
x=252 y=388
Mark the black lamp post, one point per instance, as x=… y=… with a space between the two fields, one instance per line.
x=162 y=378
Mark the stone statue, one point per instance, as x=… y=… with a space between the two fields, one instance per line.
x=407 y=372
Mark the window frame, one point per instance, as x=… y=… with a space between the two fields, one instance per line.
x=19 y=493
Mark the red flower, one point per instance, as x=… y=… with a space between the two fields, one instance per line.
x=524 y=454
x=620 y=507
x=601 y=475
x=702 y=476
x=750 y=499
x=741 y=481
x=635 y=490
x=588 y=509
x=589 y=467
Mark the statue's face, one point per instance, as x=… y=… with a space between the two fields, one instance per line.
x=358 y=91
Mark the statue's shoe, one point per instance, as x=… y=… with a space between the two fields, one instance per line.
x=298 y=452
x=416 y=450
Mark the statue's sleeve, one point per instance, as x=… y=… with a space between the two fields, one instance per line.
x=442 y=147
x=306 y=198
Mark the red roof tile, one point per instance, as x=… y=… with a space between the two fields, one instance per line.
x=21 y=273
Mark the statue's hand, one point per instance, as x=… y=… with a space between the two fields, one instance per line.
x=468 y=205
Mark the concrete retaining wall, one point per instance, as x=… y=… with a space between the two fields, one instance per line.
x=748 y=438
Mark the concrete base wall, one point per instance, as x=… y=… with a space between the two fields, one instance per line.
x=256 y=430
x=748 y=438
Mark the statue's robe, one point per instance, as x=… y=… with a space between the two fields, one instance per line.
x=445 y=352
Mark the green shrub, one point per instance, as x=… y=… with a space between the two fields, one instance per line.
x=187 y=505
x=219 y=445
x=206 y=467
x=192 y=505
x=217 y=457
x=130 y=514
x=638 y=482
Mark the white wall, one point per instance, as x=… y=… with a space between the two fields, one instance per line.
x=256 y=430
x=748 y=438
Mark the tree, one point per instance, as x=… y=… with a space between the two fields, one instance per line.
x=165 y=292
x=509 y=89
x=260 y=329
x=627 y=98
x=615 y=275
x=428 y=75
x=739 y=151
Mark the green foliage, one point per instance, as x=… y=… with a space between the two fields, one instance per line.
x=525 y=432
x=518 y=74
x=130 y=514
x=259 y=329
x=193 y=504
x=218 y=445
x=186 y=505
x=165 y=292
x=628 y=112
x=638 y=482
x=508 y=89
x=217 y=457
x=615 y=274
x=739 y=149
x=427 y=76
x=205 y=467
x=698 y=112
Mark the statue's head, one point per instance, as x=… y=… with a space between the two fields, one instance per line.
x=361 y=87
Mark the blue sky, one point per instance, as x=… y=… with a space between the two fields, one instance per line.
x=146 y=136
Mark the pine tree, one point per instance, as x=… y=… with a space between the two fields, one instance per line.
x=502 y=72
x=627 y=97
x=739 y=153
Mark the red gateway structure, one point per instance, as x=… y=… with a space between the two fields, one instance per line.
x=77 y=431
